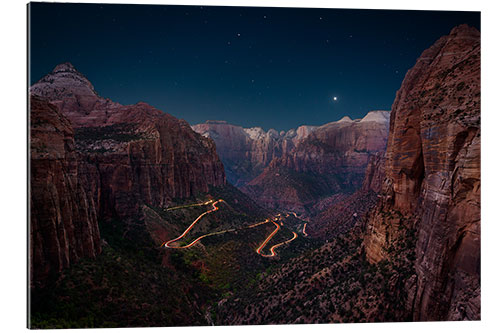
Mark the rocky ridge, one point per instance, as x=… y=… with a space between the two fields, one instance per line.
x=330 y=160
x=432 y=179
x=123 y=156
x=245 y=152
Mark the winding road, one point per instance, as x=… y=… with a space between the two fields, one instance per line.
x=274 y=247
x=264 y=243
x=169 y=244
x=215 y=208
x=304 y=229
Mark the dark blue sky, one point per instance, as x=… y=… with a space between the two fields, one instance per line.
x=268 y=67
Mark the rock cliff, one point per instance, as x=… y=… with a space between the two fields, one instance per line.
x=131 y=154
x=432 y=179
x=63 y=216
x=245 y=152
x=94 y=159
x=330 y=160
x=374 y=173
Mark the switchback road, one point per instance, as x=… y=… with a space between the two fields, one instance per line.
x=169 y=244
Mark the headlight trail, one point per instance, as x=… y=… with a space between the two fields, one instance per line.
x=279 y=244
x=168 y=244
x=192 y=205
x=215 y=208
x=271 y=235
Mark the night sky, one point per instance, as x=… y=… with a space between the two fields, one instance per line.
x=270 y=67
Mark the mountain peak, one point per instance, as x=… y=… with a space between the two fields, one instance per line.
x=64 y=80
x=345 y=119
x=64 y=67
x=464 y=29
x=378 y=116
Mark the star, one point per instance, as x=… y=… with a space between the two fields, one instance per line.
x=334 y=98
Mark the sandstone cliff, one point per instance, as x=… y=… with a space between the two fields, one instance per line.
x=63 y=216
x=374 y=173
x=330 y=160
x=131 y=154
x=432 y=179
x=245 y=152
x=94 y=159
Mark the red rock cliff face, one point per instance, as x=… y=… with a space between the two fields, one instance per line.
x=133 y=154
x=433 y=178
x=63 y=217
x=344 y=144
x=374 y=173
x=245 y=152
x=330 y=160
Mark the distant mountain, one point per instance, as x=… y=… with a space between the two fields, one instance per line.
x=330 y=160
x=245 y=152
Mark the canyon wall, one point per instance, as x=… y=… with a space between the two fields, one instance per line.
x=330 y=160
x=131 y=154
x=63 y=216
x=94 y=159
x=432 y=179
x=245 y=152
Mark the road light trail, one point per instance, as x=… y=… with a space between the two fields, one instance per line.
x=192 y=205
x=273 y=253
x=215 y=208
x=304 y=229
x=264 y=243
x=200 y=238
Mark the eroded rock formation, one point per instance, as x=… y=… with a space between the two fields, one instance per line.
x=432 y=179
x=63 y=216
x=245 y=152
x=131 y=154
x=94 y=159
x=330 y=160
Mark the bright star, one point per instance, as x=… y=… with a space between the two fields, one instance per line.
x=335 y=98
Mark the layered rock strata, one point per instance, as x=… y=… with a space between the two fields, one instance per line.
x=245 y=152
x=330 y=160
x=432 y=179
x=63 y=224
x=94 y=159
